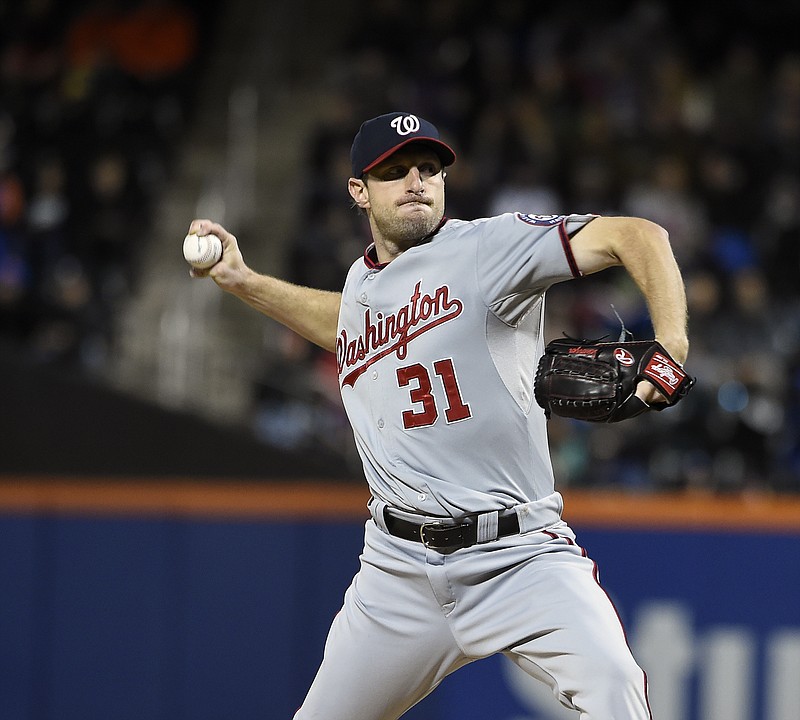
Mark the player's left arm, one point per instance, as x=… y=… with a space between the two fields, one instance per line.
x=642 y=247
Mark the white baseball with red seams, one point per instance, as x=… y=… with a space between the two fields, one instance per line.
x=202 y=251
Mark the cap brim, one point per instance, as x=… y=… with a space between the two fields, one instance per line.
x=444 y=151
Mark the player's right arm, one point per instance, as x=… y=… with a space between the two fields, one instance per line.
x=312 y=313
x=642 y=247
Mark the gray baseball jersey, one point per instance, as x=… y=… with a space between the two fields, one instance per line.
x=437 y=352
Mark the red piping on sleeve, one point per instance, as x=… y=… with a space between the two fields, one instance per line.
x=573 y=266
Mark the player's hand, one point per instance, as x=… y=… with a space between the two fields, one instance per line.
x=230 y=272
x=678 y=348
x=649 y=394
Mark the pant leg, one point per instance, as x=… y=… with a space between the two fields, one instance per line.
x=580 y=649
x=389 y=646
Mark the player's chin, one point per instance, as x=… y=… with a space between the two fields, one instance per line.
x=417 y=213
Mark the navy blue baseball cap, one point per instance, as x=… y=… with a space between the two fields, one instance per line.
x=382 y=136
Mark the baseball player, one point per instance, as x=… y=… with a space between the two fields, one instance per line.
x=437 y=334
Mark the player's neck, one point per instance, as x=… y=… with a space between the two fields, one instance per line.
x=389 y=248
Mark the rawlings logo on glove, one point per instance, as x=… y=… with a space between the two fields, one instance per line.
x=596 y=381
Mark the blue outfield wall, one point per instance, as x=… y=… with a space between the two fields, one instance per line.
x=177 y=618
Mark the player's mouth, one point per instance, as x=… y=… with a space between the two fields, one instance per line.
x=414 y=201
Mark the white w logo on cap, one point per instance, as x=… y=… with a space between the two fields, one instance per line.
x=405 y=124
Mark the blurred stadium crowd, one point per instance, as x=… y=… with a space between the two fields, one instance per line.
x=689 y=117
x=92 y=99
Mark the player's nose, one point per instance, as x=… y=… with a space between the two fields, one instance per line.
x=414 y=180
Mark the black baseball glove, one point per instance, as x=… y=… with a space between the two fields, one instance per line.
x=596 y=381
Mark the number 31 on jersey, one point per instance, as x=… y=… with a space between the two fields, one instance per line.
x=425 y=411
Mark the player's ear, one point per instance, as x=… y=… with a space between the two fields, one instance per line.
x=358 y=191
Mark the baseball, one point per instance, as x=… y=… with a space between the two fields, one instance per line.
x=202 y=251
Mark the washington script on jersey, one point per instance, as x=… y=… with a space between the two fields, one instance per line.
x=387 y=334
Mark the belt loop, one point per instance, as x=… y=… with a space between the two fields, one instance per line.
x=378 y=509
x=487 y=526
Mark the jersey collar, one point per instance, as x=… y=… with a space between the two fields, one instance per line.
x=371 y=253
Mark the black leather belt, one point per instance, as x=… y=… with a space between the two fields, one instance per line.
x=446 y=536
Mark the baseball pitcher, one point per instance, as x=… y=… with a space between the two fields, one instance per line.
x=438 y=335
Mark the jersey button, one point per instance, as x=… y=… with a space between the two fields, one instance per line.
x=374 y=374
x=381 y=423
x=363 y=297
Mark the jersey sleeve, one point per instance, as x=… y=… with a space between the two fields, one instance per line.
x=519 y=256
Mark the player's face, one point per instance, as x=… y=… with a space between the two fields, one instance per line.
x=404 y=197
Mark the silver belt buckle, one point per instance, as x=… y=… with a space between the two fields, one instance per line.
x=451 y=536
x=422 y=528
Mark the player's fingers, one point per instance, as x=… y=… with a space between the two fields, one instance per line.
x=203 y=226
x=196 y=225
x=648 y=393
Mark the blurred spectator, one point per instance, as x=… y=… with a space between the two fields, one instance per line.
x=523 y=188
x=778 y=231
x=70 y=328
x=665 y=196
x=155 y=40
x=48 y=215
x=31 y=56
x=151 y=41
x=108 y=222
x=325 y=250
x=88 y=49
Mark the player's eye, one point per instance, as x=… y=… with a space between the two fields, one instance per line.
x=428 y=170
x=394 y=173
x=397 y=172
